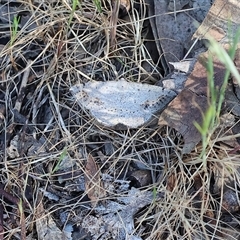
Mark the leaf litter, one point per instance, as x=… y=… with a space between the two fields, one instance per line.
x=191 y=103
x=93 y=185
x=178 y=200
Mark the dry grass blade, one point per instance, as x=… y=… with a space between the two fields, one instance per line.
x=113 y=24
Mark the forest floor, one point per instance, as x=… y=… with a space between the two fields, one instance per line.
x=64 y=175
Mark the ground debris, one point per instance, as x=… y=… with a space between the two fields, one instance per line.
x=93 y=184
x=188 y=107
x=122 y=103
x=64 y=175
x=174 y=27
x=46 y=227
x=114 y=220
x=215 y=23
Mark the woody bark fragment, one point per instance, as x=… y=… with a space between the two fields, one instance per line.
x=191 y=104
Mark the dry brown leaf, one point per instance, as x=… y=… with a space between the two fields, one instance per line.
x=190 y=105
x=216 y=24
x=93 y=184
x=172 y=181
